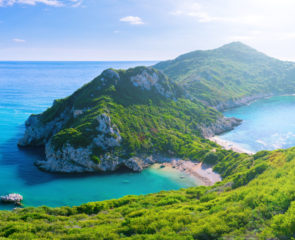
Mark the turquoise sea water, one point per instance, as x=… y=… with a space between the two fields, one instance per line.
x=268 y=124
x=31 y=87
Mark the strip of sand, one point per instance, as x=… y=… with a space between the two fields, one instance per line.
x=203 y=174
x=228 y=145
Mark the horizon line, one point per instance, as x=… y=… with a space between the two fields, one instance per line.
x=81 y=60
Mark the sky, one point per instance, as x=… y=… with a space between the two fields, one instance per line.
x=107 y=30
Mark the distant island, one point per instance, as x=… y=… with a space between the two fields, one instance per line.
x=137 y=117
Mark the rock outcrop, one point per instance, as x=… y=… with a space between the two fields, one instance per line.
x=148 y=79
x=108 y=134
x=222 y=125
x=14 y=198
x=77 y=160
x=232 y=103
x=37 y=133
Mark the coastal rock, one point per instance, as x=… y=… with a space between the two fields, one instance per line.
x=67 y=159
x=77 y=160
x=37 y=133
x=232 y=103
x=14 y=198
x=222 y=125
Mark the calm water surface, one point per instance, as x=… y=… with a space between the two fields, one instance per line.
x=268 y=124
x=31 y=87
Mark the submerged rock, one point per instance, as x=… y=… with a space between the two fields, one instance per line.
x=12 y=198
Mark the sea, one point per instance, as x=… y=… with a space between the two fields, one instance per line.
x=29 y=88
x=268 y=124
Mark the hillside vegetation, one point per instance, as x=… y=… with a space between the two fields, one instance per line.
x=230 y=72
x=255 y=200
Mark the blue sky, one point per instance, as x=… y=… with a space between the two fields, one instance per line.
x=141 y=29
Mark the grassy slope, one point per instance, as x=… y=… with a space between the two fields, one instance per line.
x=148 y=122
x=232 y=71
x=255 y=199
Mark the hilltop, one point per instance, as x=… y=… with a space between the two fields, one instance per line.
x=231 y=75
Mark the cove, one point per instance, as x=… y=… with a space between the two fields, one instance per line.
x=31 y=87
x=268 y=124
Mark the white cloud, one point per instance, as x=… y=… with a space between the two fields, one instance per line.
x=18 y=40
x=258 y=13
x=192 y=9
x=76 y=3
x=53 y=3
x=132 y=20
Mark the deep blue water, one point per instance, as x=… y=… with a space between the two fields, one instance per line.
x=31 y=87
x=268 y=124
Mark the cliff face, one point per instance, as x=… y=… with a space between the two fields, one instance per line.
x=127 y=119
x=69 y=159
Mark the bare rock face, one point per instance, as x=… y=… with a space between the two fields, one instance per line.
x=108 y=134
x=77 y=160
x=148 y=79
x=37 y=133
x=67 y=159
x=222 y=125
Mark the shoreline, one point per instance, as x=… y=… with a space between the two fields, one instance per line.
x=203 y=174
x=228 y=145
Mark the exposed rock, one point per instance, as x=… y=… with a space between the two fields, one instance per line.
x=108 y=134
x=232 y=103
x=14 y=198
x=149 y=79
x=222 y=125
x=111 y=74
x=67 y=159
x=76 y=160
x=37 y=133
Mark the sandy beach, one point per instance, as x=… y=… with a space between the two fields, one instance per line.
x=228 y=145
x=204 y=175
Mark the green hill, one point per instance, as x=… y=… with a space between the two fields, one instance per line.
x=230 y=75
x=129 y=118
